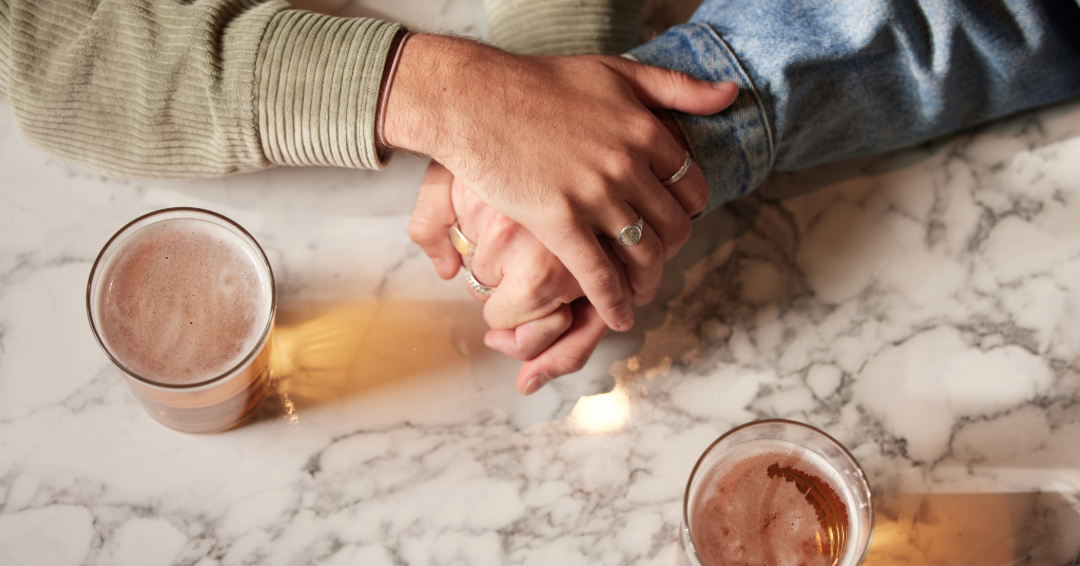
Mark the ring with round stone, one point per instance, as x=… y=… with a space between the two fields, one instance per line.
x=632 y=233
x=679 y=174
x=476 y=285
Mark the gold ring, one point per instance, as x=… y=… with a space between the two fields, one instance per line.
x=460 y=242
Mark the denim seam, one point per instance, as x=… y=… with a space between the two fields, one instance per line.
x=764 y=116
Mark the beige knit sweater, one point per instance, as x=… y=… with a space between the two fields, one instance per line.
x=173 y=88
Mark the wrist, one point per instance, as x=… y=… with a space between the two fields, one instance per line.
x=430 y=103
x=412 y=120
x=389 y=72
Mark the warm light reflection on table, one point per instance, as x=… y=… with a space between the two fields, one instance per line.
x=601 y=414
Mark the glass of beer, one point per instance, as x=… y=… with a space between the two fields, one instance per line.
x=776 y=492
x=182 y=300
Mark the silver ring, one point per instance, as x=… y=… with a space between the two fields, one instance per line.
x=476 y=285
x=460 y=242
x=679 y=174
x=632 y=233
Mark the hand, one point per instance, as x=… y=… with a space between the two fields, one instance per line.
x=530 y=311
x=563 y=145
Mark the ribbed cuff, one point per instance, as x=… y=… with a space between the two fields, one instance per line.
x=5 y=46
x=317 y=80
x=565 y=27
x=734 y=147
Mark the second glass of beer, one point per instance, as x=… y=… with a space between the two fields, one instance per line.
x=182 y=300
x=776 y=492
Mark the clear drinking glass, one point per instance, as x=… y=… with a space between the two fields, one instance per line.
x=182 y=300
x=776 y=492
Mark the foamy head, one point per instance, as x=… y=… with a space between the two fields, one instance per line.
x=182 y=301
x=746 y=511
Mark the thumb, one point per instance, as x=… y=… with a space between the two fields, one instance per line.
x=663 y=88
x=432 y=217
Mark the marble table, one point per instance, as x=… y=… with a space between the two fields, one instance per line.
x=922 y=307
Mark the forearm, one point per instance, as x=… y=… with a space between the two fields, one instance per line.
x=165 y=89
x=871 y=77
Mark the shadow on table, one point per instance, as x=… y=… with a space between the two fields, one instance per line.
x=983 y=529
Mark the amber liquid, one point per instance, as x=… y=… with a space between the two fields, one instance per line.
x=771 y=506
x=831 y=512
x=221 y=406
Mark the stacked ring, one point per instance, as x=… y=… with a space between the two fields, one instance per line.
x=476 y=285
x=679 y=174
x=467 y=249
x=460 y=242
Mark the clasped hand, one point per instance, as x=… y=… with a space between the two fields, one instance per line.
x=559 y=155
x=565 y=146
x=537 y=312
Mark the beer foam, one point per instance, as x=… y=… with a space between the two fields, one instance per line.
x=745 y=513
x=183 y=300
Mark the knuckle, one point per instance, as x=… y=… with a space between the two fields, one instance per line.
x=619 y=162
x=550 y=285
x=680 y=231
x=605 y=281
x=495 y=317
x=572 y=361
x=699 y=199
x=649 y=128
x=492 y=318
x=651 y=252
x=563 y=318
x=527 y=347
x=624 y=163
x=564 y=210
x=421 y=232
x=535 y=278
x=500 y=232
x=645 y=297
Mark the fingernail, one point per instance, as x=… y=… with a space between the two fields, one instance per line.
x=625 y=324
x=535 y=383
x=724 y=86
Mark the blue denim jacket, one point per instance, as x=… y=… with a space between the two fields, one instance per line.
x=824 y=80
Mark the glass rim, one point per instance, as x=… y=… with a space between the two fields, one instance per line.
x=183 y=386
x=722 y=437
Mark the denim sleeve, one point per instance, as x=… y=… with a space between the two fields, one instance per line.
x=824 y=80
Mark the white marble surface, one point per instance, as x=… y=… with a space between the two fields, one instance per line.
x=922 y=307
